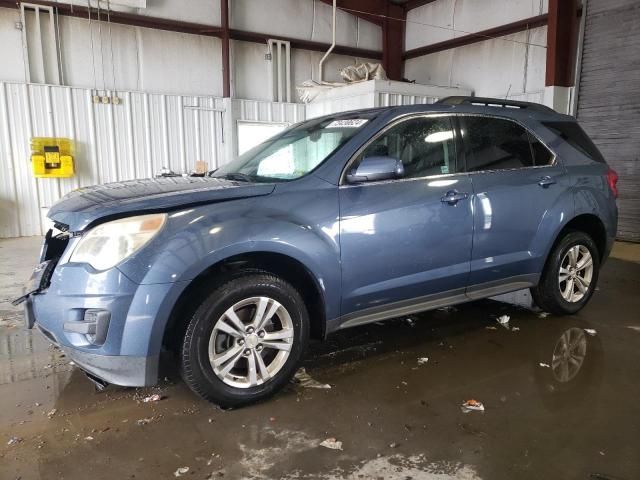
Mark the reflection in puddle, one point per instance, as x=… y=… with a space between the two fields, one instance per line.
x=27 y=354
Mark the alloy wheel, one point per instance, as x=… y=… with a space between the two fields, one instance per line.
x=576 y=273
x=251 y=342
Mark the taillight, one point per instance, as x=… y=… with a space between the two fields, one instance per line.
x=612 y=180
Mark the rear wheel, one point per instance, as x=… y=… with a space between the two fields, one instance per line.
x=245 y=341
x=570 y=275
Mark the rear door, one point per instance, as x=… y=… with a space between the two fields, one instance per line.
x=515 y=182
x=407 y=239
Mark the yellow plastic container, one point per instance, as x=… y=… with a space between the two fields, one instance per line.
x=52 y=157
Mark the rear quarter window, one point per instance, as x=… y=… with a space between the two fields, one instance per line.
x=574 y=135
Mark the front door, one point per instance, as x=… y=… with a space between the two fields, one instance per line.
x=408 y=240
x=515 y=183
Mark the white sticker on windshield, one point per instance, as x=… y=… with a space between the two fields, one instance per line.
x=350 y=123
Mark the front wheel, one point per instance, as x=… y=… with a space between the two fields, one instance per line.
x=570 y=275
x=245 y=341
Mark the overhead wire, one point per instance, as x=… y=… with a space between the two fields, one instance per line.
x=113 y=68
x=58 y=41
x=104 y=83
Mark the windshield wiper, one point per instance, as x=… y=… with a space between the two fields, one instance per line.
x=240 y=177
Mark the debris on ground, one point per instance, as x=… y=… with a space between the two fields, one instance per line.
x=591 y=331
x=515 y=329
x=543 y=314
x=634 y=327
x=472 y=406
x=490 y=327
x=144 y=421
x=394 y=445
x=447 y=309
x=423 y=360
x=504 y=321
x=305 y=380
x=181 y=471
x=14 y=441
x=52 y=412
x=331 y=443
x=89 y=438
x=156 y=397
x=544 y=365
x=410 y=321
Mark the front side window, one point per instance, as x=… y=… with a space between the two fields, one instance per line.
x=294 y=153
x=425 y=145
x=498 y=144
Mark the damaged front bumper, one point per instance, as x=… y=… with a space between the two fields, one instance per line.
x=108 y=325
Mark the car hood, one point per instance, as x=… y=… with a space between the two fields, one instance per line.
x=79 y=208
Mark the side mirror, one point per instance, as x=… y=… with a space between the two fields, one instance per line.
x=376 y=169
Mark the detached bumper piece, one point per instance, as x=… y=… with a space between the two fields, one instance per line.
x=120 y=370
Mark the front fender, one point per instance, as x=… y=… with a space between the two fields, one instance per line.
x=198 y=238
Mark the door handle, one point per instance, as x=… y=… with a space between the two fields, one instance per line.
x=453 y=196
x=545 y=181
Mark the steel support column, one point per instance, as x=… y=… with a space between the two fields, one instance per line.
x=561 y=42
x=393 y=41
x=226 y=64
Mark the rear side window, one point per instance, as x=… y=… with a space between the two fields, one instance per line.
x=573 y=134
x=498 y=144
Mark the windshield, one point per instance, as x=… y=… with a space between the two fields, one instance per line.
x=294 y=153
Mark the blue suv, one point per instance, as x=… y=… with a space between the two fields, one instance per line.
x=338 y=221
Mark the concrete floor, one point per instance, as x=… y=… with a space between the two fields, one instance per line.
x=396 y=418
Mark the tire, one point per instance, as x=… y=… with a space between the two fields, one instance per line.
x=214 y=331
x=556 y=296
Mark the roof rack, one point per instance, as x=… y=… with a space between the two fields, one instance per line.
x=494 y=102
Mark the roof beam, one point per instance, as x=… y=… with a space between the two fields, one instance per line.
x=501 y=31
x=256 y=37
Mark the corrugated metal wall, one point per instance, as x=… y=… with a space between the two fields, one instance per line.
x=386 y=99
x=113 y=142
x=609 y=98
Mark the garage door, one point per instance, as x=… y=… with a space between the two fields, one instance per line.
x=609 y=98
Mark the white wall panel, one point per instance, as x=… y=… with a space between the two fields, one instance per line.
x=113 y=142
x=436 y=22
x=11 y=61
x=513 y=64
x=303 y=19
x=180 y=63
x=206 y=12
x=490 y=68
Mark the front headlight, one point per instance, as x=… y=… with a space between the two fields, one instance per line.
x=108 y=244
